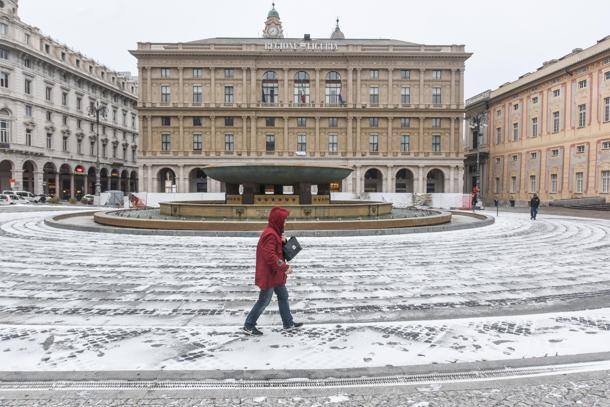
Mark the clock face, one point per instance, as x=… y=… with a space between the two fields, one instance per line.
x=273 y=30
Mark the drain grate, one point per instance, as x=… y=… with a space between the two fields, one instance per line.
x=301 y=383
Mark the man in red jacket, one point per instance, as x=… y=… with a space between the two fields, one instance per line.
x=271 y=272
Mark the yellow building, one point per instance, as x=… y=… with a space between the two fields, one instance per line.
x=547 y=132
x=391 y=110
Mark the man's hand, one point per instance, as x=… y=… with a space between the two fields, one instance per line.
x=284 y=239
x=289 y=270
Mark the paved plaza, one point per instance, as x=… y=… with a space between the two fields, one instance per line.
x=512 y=293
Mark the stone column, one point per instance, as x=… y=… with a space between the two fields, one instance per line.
x=460 y=102
x=389 y=139
x=421 y=181
x=180 y=180
x=390 y=181
x=212 y=86
x=286 y=100
x=350 y=141
x=350 y=86
x=286 y=141
x=420 y=141
x=213 y=134
x=451 y=137
x=358 y=90
x=451 y=186
x=253 y=94
x=244 y=134
x=317 y=96
x=317 y=143
x=390 y=73
x=244 y=87
x=452 y=89
x=18 y=176
x=181 y=146
x=181 y=86
x=150 y=180
x=358 y=135
x=149 y=79
x=141 y=179
x=253 y=141
x=147 y=141
x=57 y=185
x=422 y=98
x=71 y=185
x=38 y=182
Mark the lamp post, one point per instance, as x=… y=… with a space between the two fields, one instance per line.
x=95 y=110
x=477 y=123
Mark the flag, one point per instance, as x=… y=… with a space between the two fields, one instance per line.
x=302 y=98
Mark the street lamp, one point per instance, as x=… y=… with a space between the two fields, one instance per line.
x=477 y=123
x=95 y=110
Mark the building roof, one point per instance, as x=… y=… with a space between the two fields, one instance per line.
x=262 y=41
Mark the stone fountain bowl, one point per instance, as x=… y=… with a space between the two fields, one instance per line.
x=277 y=174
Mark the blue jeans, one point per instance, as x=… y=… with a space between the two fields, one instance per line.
x=264 y=298
x=533 y=212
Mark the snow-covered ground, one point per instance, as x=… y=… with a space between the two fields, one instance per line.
x=84 y=301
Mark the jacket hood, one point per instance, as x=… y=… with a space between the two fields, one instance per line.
x=277 y=217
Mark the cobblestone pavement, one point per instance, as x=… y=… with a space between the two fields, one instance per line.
x=590 y=392
x=517 y=289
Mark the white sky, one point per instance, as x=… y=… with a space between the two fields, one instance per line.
x=508 y=38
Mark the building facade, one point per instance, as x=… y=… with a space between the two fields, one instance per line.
x=48 y=134
x=547 y=132
x=391 y=110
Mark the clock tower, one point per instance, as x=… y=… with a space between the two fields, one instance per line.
x=273 y=25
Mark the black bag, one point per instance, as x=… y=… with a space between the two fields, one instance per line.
x=291 y=248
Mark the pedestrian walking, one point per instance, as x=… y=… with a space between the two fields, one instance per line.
x=271 y=273
x=534 y=204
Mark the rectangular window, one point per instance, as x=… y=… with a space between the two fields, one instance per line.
x=535 y=100
x=498 y=135
x=64 y=120
x=405 y=122
x=332 y=122
x=3 y=29
x=166 y=94
x=553 y=183
x=3 y=80
x=197 y=94
x=166 y=121
x=197 y=72
x=436 y=143
x=605 y=145
x=229 y=95
x=515 y=157
x=579 y=182
x=405 y=143
x=497 y=185
x=47 y=48
x=607 y=76
x=65 y=144
x=28 y=86
x=229 y=121
x=373 y=143
x=270 y=143
x=50 y=118
x=533 y=185
x=166 y=142
x=405 y=74
x=374 y=95
x=515 y=131
x=114 y=111
x=513 y=184
x=79 y=146
x=374 y=73
x=302 y=142
x=607 y=109
x=333 y=146
x=270 y=122
x=436 y=123
x=555 y=152
x=606 y=182
x=556 y=93
x=555 y=122
x=197 y=121
x=405 y=95
x=534 y=127
x=229 y=142
x=28 y=110
x=582 y=84
x=164 y=72
x=301 y=122
x=582 y=115
x=373 y=121
x=516 y=106
x=79 y=124
x=197 y=142
x=580 y=148
x=28 y=137
x=50 y=142
x=533 y=155
x=229 y=73
x=436 y=75
x=79 y=103
x=3 y=53
x=436 y=96
x=64 y=98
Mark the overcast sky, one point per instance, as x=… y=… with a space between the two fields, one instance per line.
x=508 y=39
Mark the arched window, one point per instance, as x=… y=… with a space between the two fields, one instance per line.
x=5 y=127
x=301 y=88
x=333 y=89
x=270 y=88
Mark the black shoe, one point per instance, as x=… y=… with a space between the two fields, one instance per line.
x=252 y=331
x=294 y=325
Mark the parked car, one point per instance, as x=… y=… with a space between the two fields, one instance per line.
x=28 y=196
x=87 y=199
x=41 y=198
x=17 y=199
x=5 y=200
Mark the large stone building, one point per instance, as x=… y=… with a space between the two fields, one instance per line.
x=391 y=110
x=48 y=137
x=547 y=132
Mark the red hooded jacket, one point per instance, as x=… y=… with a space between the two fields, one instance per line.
x=270 y=264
